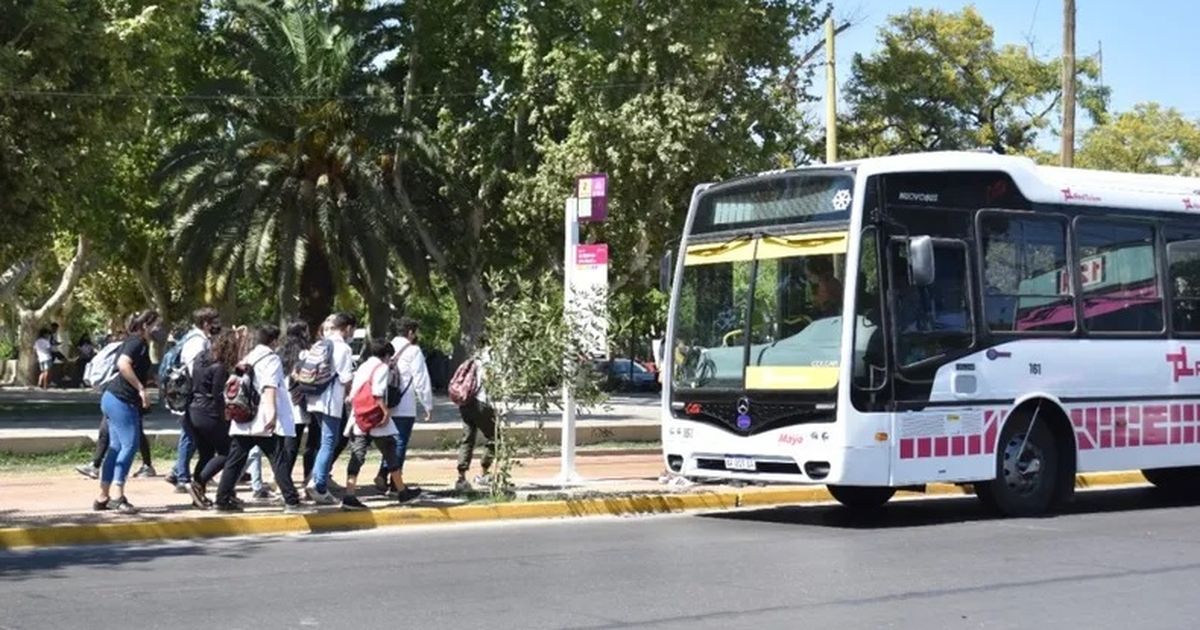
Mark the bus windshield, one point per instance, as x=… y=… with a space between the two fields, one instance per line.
x=761 y=313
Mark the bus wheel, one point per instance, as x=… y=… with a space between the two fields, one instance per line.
x=1026 y=470
x=1182 y=482
x=861 y=497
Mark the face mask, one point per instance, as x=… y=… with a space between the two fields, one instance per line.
x=158 y=334
x=213 y=331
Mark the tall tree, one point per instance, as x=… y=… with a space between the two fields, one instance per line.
x=504 y=102
x=940 y=82
x=1149 y=139
x=280 y=179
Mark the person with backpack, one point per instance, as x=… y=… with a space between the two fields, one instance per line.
x=123 y=401
x=258 y=416
x=372 y=422
x=411 y=379
x=99 y=370
x=295 y=342
x=206 y=413
x=176 y=385
x=325 y=374
x=468 y=392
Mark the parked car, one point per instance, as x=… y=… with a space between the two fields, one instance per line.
x=627 y=376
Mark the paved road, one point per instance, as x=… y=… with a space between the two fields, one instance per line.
x=1120 y=559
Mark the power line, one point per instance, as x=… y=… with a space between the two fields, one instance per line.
x=192 y=97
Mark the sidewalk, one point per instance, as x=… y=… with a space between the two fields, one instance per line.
x=62 y=497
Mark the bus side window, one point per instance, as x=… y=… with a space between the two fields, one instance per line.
x=1183 y=265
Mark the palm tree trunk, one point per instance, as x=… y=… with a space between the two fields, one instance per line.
x=317 y=290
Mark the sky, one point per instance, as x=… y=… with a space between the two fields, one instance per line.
x=1150 y=46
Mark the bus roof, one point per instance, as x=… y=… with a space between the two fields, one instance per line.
x=1050 y=184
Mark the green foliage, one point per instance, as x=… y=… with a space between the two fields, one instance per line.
x=534 y=349
x=940 y=82
x=1148 y=139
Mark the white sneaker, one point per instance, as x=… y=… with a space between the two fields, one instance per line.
x=320 y=498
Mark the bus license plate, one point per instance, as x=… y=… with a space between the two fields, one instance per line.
x=739 y=463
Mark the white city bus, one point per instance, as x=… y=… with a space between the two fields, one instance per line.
x=942 y=317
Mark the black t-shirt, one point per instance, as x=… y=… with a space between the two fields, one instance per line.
x=136 y=349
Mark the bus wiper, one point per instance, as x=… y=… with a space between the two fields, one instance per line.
x=712 y=250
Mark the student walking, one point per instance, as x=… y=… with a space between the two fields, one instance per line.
x=206 y=324
x=308 y=435
x=372 y=422
x=206 y=413
x=270 y=424
x=92 y=469
x=123 y=401
x=468 y=390
x=327 y=407
x=409 y=361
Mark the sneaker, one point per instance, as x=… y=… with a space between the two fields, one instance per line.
x=244 y=479
x=297 y=508
x=263 y=494
x=229 y=508
x=350 y=503
x=89 y=471
x=332 y=486
x=484 y=480
x=121 y=505
x=381 y=483
x=199 y=501
x=462 y=485
x=408 y=494
x=320 y=498
x=171 y=479
x=145 y=471
x=100 y=506
x=182 y=487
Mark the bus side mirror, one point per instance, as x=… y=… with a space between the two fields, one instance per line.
x=920 y=260
x=664 y=272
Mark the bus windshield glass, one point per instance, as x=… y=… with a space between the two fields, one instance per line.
x=761 y=313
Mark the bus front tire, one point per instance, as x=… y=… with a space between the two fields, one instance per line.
x=1025 y=479
x=862 y=497
x=1178 y=482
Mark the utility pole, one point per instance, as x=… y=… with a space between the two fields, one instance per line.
x=830 y=94
x=1068 y=84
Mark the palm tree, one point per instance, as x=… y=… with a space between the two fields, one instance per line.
x=280 y=180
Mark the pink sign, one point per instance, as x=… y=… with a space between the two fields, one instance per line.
x=588 y=255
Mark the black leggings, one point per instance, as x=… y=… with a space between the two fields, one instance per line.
x=102 y=443
x=211 y=434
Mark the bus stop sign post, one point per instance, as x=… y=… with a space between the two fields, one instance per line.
x=590 y=203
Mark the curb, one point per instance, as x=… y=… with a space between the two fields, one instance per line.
x=324 y=522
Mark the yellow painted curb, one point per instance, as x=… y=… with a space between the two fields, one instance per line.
x=247 y=525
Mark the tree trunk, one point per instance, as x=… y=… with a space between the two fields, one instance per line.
x=289 y=305
x=472 y=315
x=317 y=290
x=30 y=319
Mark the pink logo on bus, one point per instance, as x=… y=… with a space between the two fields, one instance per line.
x=1182 y=367
x=1069 y=195
x=1188 y=204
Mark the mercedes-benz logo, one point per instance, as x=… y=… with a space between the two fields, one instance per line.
x=743 y=406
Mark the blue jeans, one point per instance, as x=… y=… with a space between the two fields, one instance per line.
x=185 y=450
x=123 y=432
x=330 y=426
x=404 y=425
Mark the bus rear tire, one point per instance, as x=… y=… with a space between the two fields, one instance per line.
x=862 y=497
x=1025 y=482
x=1179 y=482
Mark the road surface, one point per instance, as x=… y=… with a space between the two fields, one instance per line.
x=1120 y=558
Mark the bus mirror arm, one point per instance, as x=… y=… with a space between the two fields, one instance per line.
x=664 y=272
x=920 y=261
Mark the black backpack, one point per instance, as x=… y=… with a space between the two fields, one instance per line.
x=313 y=372
x=175 y=379
x=395 y=384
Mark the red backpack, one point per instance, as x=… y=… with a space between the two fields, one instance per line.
x=367 y=412
x=464 y=385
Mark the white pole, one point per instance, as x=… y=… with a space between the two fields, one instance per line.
x=567 y=473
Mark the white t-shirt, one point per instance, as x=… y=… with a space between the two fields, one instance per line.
x=415 y=375
x=332 y=401
x=482 y=360
x=376 y=372
x=194 y=342
x=268 y=372
x=42 y=348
